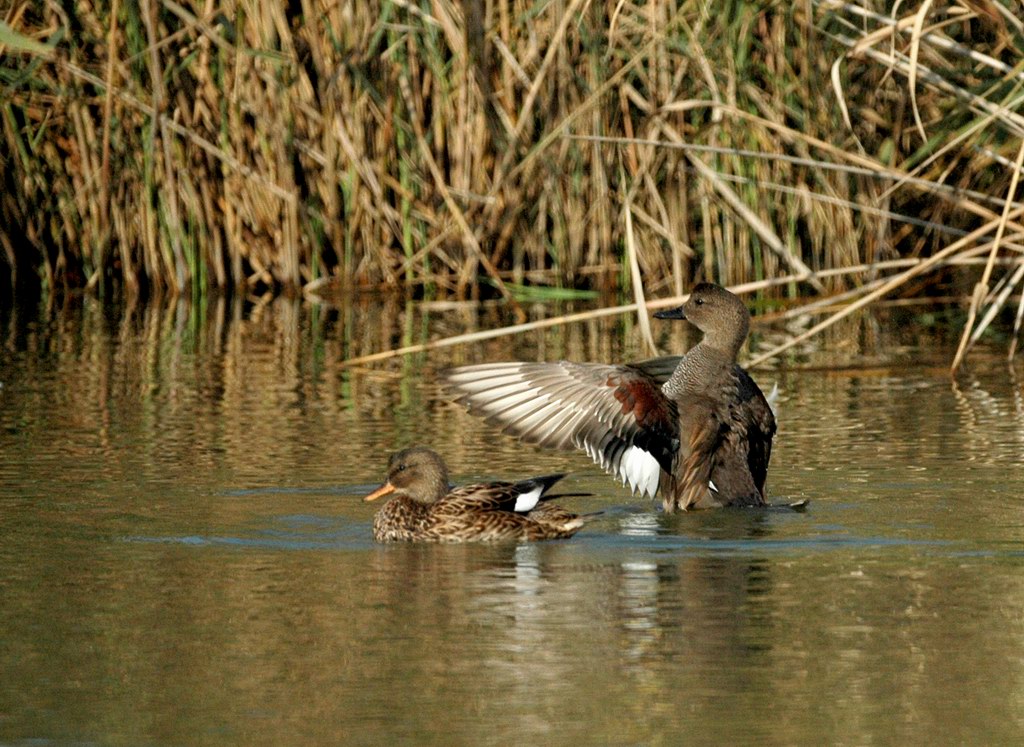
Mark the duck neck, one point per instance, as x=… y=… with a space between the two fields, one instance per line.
x=406 y=510
x=432 y=487
x=701 y=369
x=399 y=517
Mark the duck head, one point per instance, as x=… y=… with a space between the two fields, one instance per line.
x=719 y=314
x=418 y=473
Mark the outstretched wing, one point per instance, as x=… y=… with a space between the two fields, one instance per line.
x=617 y=414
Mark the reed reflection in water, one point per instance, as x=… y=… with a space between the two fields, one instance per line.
x=185 y=558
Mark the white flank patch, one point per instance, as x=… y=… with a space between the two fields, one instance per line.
x=711 y=484
x=527 y=501
x=773 y=398
x=640 y=471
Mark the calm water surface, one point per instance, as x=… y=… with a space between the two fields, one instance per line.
x=184 y=558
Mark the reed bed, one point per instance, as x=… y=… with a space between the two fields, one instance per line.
x=460 y=150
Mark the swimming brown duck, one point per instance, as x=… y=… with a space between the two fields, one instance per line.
x=696 y=428
x=425 y=509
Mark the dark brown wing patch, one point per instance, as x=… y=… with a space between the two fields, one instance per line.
x=641 y=398
x=655 y=415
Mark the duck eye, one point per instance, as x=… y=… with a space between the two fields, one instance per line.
x=699 y=301
x=401 y=468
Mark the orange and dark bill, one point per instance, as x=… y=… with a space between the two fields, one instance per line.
x=382 y=490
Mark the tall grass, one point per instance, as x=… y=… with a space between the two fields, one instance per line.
x=170 y=145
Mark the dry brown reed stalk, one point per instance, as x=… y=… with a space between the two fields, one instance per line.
x=187 y=146
x=981 y=289
x=637 y=284
x=104 y=215
x=473 y=337
x=916 y=266
x=887 y=287
x=966 y=258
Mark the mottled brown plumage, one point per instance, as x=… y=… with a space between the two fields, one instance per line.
x=425 y=509
x=694 y=428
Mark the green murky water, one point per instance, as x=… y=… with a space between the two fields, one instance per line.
x=184 y=558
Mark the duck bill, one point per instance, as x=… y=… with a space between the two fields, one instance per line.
x=676 y=313
x=381 y=491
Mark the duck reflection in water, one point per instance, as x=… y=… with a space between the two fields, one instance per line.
x=703 y=607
